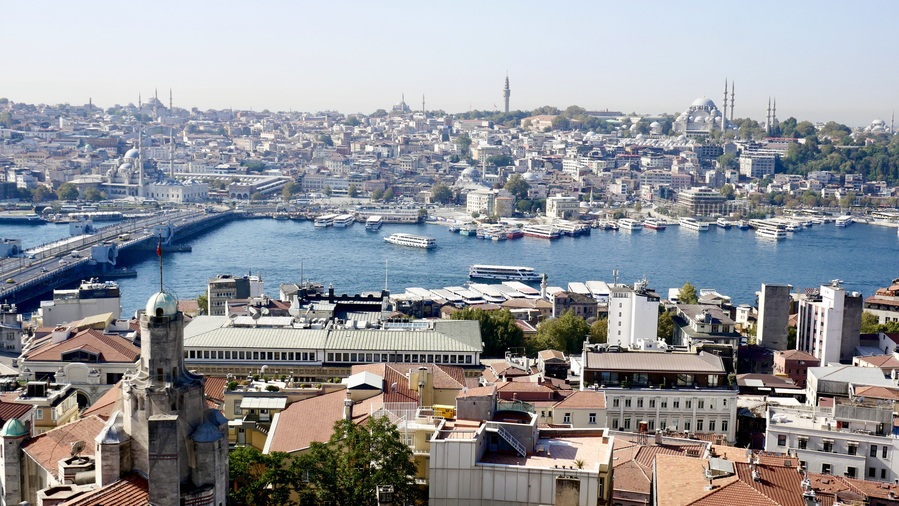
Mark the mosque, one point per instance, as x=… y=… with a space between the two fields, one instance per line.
x=132 y=179
x=160 y=445
x=703 y=116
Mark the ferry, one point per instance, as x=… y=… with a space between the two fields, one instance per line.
x=693 y=224
x=722 y=223
x=541 y=231
x=515 y=233
x=325 y=220
x=843 y=221
x=415 y=241
x=630 y=224
x=654 y=224
x=374 y=223
x=771 y=233
x=343 y=220
x=503 y=272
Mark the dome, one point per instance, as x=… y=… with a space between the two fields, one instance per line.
x=531 y=177
x=126 y=166
x=877 y=122
x=13 y=428
x=207 y=433
x=703 y=102
x=655 y=124
x=132 y=153
x=162 y=304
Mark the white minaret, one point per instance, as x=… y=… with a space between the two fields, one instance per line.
x=141 y=192
x=506 y=93
x=731 y=102
x=768 y=118
x=724 y=106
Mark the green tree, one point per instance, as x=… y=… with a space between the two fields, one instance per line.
x=517 y=186
x=441 y=193
x=352 y=191
x=388 y=195
x=565 y=333
x=561 y=123
x=377 y=194
x=500 y=160
x=253 y=165
x=290 y=189
x=203 y=303
x=728 y=191
x=326 y=138
x=870 y=323
x=688 y=294
x=352 y=121
x=327 y=190
x=257 y=196
x=599 y=331
x=464 y=142
x=380 y=113
x=93 y=195
x=40 y=194
x=259 y=479
x=67 y=191
x=666 y=325
x=498 y=330
x=355 y=460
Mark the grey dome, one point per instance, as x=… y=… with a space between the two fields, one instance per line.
x=162 y=301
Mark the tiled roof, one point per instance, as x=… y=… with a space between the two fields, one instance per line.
x=132 y=490
x=111 y=348
x=797 y=355
x=780 y=484
x=52 y=446
x=214 y=389
x=551 y=354
x=656 y=362
x=402 y=393
x=875 y=392
x=106 y=404
x=584 y=399
x=632 y=476
x=443 y=376
x=310 y=420
x=887 y=361
x=478 y=392
x=10 y=410
x=734 y=493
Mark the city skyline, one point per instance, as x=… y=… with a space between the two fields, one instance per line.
x=822 y=61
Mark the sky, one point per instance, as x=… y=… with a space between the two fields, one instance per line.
x=821 y=60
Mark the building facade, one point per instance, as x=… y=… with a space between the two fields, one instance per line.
x=829 y=323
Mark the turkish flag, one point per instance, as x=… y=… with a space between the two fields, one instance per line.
x=159 y=249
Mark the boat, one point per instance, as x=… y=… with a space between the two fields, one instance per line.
x=844 y=221
x=374 y=223
x=743 y=225
x=793 y=227
x=468 y=230
x=541 y=231
x=325 y=220
x=343 y=220
x=630 y=224
x=503 y=272
x=516 y=233
x=654 y=224
x=693 y=224
x=771 y=233
x=415 y=241
x=453 y=229
x=722 y=223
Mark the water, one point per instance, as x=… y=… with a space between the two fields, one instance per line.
x=733 y=261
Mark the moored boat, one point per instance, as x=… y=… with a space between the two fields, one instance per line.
x=503 y=272
x=630 y=224
x=693 y=224
x=374 y=223
x=541 y=231
x=654 y=224
x=415 y=241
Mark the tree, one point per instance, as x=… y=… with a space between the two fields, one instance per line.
x=257 y=196
x=377 y=194
x=517 y=186
x=253 y=165
x=67 y=191
x=565 y=333
x=500 y=160
x=728 y=191
x=688 y=294
x=259 y=479
x=441 y=193
x=327 y=190
x=352 y=121
x=464 y=142
x=380 y=113
x=666 y=325
x=290 y=189
x=599 y=331
x=40 y=194
x=352 y=191
x=93 y=195
x=498 y=330
x=326 y=138
x=388 y=195
x=561 y=123
x=357 y=459
x=203 y=302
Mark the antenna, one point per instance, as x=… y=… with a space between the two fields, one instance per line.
x=386 y=260
x=159 y=254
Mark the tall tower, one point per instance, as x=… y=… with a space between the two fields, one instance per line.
x=506 y=93
x=724 y=108
x=731 y=102
x=768 y=118
x=423 y=103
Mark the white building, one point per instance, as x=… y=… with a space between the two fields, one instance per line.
x=91 y=298
x=829 y=323
x=481 y=201
x=757 y=165
x=633 y=314
x=559 y=207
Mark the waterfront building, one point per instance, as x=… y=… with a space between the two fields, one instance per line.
x=678 y=392
x=562 y=207
x=829 y=323
x=583 y=306
x=772 y=328
x=885 y=303
x=701 y=201
x=89 y=299
x=794 y=364
x=633 y=314
x=838 y=381
x=481 y=201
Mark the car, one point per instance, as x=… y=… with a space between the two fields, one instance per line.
x=10 y=280
x=44 y=269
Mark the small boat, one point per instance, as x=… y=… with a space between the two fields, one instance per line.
x=722 y=223
x=453 y=229
x=415 y=241
x=654 y=224
x=515 y=234
x=343 y=220
x=468 y=230
x=325 y=220
x=770 y=233
x=541 y=231
x=743 y=225
x=374 y=223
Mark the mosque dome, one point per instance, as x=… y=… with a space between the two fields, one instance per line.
x=703 y=102
x=132 y=153
x=471 y=173
x=531 y=177
x=877 y=122
x=655 y=124
x=162 y=304
x=13 y=428
x=126 y=166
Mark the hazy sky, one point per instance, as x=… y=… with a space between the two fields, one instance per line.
x=822 y=60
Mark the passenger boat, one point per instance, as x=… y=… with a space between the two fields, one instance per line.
x=541 y=231
x=374 y=223
x=693 y=224
x=503 y=272
x=722 y=223
x=630 y=224
x=468 y=230
x=654 y=224
x=343 y=220
x=325 y=220
x=843 y=221
x=515 y=234
x=415 y=241
x=771 y=233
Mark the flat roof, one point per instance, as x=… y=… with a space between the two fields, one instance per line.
x=263 y=403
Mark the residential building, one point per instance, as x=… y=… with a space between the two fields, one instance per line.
x=10 y=329
x=482 y=201
x=829 y=323
x=694 y=323
x=90 y=298
x=553 y=364
x=583 y=306
x=55 y=404
x=757 y=165
x=774 y=314
x=562 y=207
x=223 y=288
x=885 y=303
x=794 y=364
x=583 y=409
x=824 y=382
x=633 y=314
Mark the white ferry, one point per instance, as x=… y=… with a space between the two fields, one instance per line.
x=844 y=221
x=722 y=223
x=343 y=220
x=415 y=241
x=771 y=233
x=541 y=231
x=504 y=272
x=654 y=224
x=325 y=220
x=374 y=223
x=630 y=224
x=693 y=224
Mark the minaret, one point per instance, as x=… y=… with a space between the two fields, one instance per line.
x=170 y=100
x=155 y=104
x=724 y=105
x=774 y=115
x=731 y=102
x=172 y=153
x=140 y=162
x=768 y=118
x=423 y=103
x=506 y=93
x=892 y=117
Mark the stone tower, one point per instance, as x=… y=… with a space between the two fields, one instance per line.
x=174 y=440
x=13 y=435
x=506 y=93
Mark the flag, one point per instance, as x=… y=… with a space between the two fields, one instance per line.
x=159 y=249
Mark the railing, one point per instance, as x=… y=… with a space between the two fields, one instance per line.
x=522 y=406
x=509 y=438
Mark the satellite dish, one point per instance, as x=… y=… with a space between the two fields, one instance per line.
x=77 y=448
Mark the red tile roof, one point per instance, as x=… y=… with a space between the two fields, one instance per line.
x=52 y=446
x=311 y=420
x=132 y=490
x=10 y=410
x=111 y=348
x=734 y=493
x=584 y=399
x=106 y=404
x=214 y=389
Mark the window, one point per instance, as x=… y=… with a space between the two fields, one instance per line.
x=689 y=404
x=592 y=419
x=236 y=408
x=723 y=425
x=687 y=426
x=652 y=403
x=566 y=418
x=883 y=474
x=872 y=473
x=615 y=402
x=711 y=425
x=614 y=424
x=825 y=468
x=873 y=450
x=665 y=404
x=851 y=472
x=675 y=404
x=827 y=446
x=684 y=379
x=330 y=357
x=39 y=414
x=803 y=444
x=627 y=424
x=641 y=378
x=699 y=425
x=883 y=454
x=640 y=402
x=700 y=404
x=852 y=449
x=627 y=402
x=781 y=440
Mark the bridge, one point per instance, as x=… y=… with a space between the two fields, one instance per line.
x=41 y=269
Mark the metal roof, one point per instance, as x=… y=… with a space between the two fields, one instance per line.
x=263 y=403
x=655 y=362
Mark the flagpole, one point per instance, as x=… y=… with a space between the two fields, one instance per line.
x=159 y=254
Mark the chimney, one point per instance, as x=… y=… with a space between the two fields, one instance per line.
x=331 y=293
x=658 y=436
x=348 y=409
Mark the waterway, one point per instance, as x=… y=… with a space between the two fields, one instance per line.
x=733 y=261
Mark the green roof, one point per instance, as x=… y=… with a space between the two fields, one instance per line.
x=13 y=428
